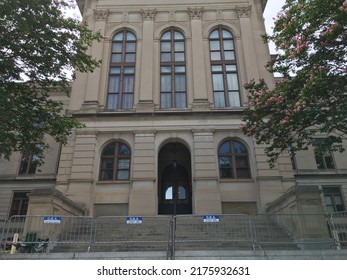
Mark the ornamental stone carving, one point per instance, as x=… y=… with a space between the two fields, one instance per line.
x=195 y=13
x=101 y=15
x=148 y=14
x=244 y=11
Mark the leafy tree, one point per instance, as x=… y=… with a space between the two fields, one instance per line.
x=39 y=49
x=311 y=98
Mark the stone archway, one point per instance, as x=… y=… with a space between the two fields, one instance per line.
x=174 y=184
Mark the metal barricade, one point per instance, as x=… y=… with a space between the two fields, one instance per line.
x=171 y=234
x=339 y=228
x=213 y=232
x=47 y=233
x=5 y=241
x=292 y=231
x=131 y=233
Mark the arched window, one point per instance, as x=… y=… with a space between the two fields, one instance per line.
x=233 y=160
x=173 y=88
x=224 y=69
x=115 y=162
x=122 y=71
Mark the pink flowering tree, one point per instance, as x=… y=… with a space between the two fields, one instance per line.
x=310 y=99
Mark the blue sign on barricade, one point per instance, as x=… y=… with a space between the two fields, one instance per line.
x=211 y=219
x=134 y=220
x=51 y=220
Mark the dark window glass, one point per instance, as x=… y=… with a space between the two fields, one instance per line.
x=233 y=160
x=173 y=88
x=333 y=199
x=29 y=161
x=122 y=71
x=115 y=162
x=226 y=90
x=19 y=205
x=324 y=160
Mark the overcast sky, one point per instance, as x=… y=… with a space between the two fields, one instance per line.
x=272 y=8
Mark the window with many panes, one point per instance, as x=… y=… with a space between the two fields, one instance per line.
x=122 y=71
x=19 y=205
x=333 y=199
x=29 y=161
x=224 y=70
x=173 y=87
x=115 y=162
x=233 y=160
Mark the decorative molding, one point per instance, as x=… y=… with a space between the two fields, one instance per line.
x=101 y=15
x=172 y=16
x=184 y=26
x=195 y=13
x=148 y=15
x=125 y=17
x=244 y=11
x=208 y=131
x=150 y=133
x=220 y=15
x=201 y=105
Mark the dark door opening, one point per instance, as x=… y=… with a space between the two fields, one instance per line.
x=174 y=189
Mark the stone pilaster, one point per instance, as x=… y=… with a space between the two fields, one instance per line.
x=250 y=56
x=143 y=195
x=146 y=80
x=80 y=185
x=206 y=193
x=91 y=102
x=200 y=101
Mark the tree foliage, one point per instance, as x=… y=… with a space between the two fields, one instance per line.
x=310 y=100
x=39 y=49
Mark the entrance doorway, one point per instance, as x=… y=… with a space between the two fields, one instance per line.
x=174 y=189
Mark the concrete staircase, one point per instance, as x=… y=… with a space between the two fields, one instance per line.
x=112 y=234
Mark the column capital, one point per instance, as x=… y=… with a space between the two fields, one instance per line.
x=101 y=15
x=195 y=13
x=244 y=11
x=148 y=14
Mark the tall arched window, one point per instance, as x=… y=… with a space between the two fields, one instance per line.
x=224 y=69
x=122 y=71
x=173 y=88
x=115 y=162
x=233 y=160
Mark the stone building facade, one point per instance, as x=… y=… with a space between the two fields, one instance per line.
x=163 y=116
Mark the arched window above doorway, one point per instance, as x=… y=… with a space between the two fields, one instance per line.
x=233 y=160
x=115 y=162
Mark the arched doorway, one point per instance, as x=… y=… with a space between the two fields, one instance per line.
x=174 y=189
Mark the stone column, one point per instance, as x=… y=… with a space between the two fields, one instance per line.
x=206 y=193
x=143 y=194
x=146 y=80
x=200 y=101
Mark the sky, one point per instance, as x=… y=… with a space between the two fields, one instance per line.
x=271 y=10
